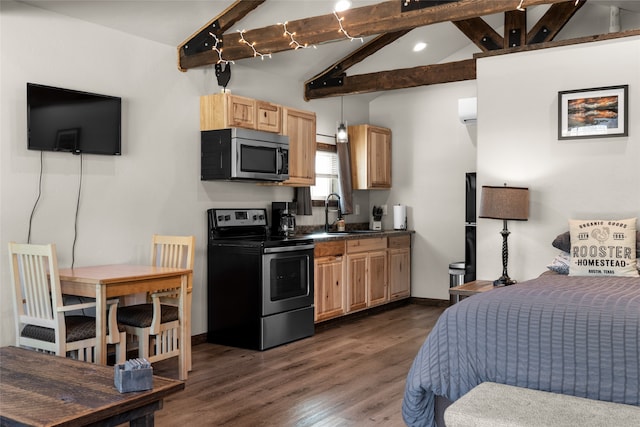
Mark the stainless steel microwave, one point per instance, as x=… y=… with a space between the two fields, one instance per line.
x=244 y=154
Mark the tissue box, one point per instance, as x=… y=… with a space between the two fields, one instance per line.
x=133 y=380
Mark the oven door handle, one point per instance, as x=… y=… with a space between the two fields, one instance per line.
x=280 y=249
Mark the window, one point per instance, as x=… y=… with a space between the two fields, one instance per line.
x=326 y=172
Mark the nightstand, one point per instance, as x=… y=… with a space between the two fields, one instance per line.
x=471 y=288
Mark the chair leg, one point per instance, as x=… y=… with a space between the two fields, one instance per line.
x=121 y=349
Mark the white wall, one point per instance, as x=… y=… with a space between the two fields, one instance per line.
x=431 y=152
x=154 y=187
x=518 y=144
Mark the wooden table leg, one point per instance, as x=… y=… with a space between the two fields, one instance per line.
x=101 y=325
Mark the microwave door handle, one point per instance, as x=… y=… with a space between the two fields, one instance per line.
x=279 y=161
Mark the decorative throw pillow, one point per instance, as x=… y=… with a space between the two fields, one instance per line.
x=563 y=242
x=560 y=263
x=603 y=247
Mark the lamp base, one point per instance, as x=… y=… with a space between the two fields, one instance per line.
x=504 y=281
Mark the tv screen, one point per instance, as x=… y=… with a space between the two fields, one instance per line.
x=72 y=121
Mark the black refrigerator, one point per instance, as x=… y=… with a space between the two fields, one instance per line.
x=470 y=228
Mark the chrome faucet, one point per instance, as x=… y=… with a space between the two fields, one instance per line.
x=326 y=210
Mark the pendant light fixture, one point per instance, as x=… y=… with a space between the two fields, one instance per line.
x=342 y=135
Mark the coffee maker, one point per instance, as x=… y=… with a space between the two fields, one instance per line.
x=283 y=219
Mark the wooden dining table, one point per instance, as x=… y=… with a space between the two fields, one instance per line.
x=104 y=282
x=39 y=389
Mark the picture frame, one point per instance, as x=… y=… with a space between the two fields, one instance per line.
x=593 y=113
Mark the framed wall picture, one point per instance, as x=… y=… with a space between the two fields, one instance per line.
x=593 y=113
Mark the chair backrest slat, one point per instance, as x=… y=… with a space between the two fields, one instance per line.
x=37 y=294
x=172 y=251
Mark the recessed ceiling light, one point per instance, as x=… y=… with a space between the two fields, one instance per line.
x=342 y=5
x=419 y=46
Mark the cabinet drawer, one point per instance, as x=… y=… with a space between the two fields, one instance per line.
x=366 y=245
x=397 y=242
x=333 y=248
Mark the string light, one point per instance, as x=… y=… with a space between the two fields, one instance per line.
x=296 y=45
x=252 y=46
x=343 y=31
x=219 y=51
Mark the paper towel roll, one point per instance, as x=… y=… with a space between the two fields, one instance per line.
x=399 y=217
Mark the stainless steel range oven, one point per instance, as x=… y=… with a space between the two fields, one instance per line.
x=260 y=287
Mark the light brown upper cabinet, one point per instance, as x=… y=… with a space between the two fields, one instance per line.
x=300 y=127
x=269 y=117
x=223 y=110
x=370 y=157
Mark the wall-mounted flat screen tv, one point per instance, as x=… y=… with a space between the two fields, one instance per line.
x=73 y=121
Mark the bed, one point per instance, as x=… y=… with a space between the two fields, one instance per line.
x=574 y=335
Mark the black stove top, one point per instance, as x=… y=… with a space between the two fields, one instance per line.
x=246 y=227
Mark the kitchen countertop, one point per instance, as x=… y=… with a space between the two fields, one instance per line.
x=319 y=236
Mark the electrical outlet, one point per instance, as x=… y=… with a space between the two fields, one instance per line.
x=357 y=209
x=384 y=209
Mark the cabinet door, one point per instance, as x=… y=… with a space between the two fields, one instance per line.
x=379 y=167
x=329 y=288
x=241 y=112
x=300 y=127
x=370 y=157
x=399 y=273
x=357 y=281
x=377 y=276
x=269 y=117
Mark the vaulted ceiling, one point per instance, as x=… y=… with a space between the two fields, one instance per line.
x=387 y=21
x=455 y=34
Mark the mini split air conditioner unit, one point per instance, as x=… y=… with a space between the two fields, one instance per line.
x=468 y=110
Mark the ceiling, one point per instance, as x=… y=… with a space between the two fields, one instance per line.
x=172 y=22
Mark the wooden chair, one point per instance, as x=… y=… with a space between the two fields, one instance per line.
x=156 y=324
x=41 y=320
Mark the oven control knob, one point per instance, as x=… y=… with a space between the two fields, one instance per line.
x=255 y=217
x=261 y=217
x=227 y=217
x=220 y=218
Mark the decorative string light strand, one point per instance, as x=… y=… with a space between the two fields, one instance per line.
x=294 y=43
x=219 y=51
x=251 y=45
x=343 y=31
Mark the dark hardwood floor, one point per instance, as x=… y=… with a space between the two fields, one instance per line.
x=348 y=374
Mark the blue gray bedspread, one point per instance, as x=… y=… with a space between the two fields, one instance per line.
x=572 y=335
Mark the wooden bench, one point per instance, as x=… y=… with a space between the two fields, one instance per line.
x=497 y=405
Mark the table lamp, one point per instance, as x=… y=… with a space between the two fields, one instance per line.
x=505 y=203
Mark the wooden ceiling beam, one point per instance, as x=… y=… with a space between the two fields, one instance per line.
x=554 y=20
x=440 y=73
x=385 y=17
x=334 y=74
x=515 y=28
x=201 y=41
x=482 y=34
x=399 y=79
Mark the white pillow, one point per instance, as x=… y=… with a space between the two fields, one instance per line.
x=603 y=247
x=560 y=263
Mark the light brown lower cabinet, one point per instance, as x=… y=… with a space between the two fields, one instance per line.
x=399 y=267
x=355 y=274
x=357 y=281
x=329 y=288
x=330 y=297
x=367 y=276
